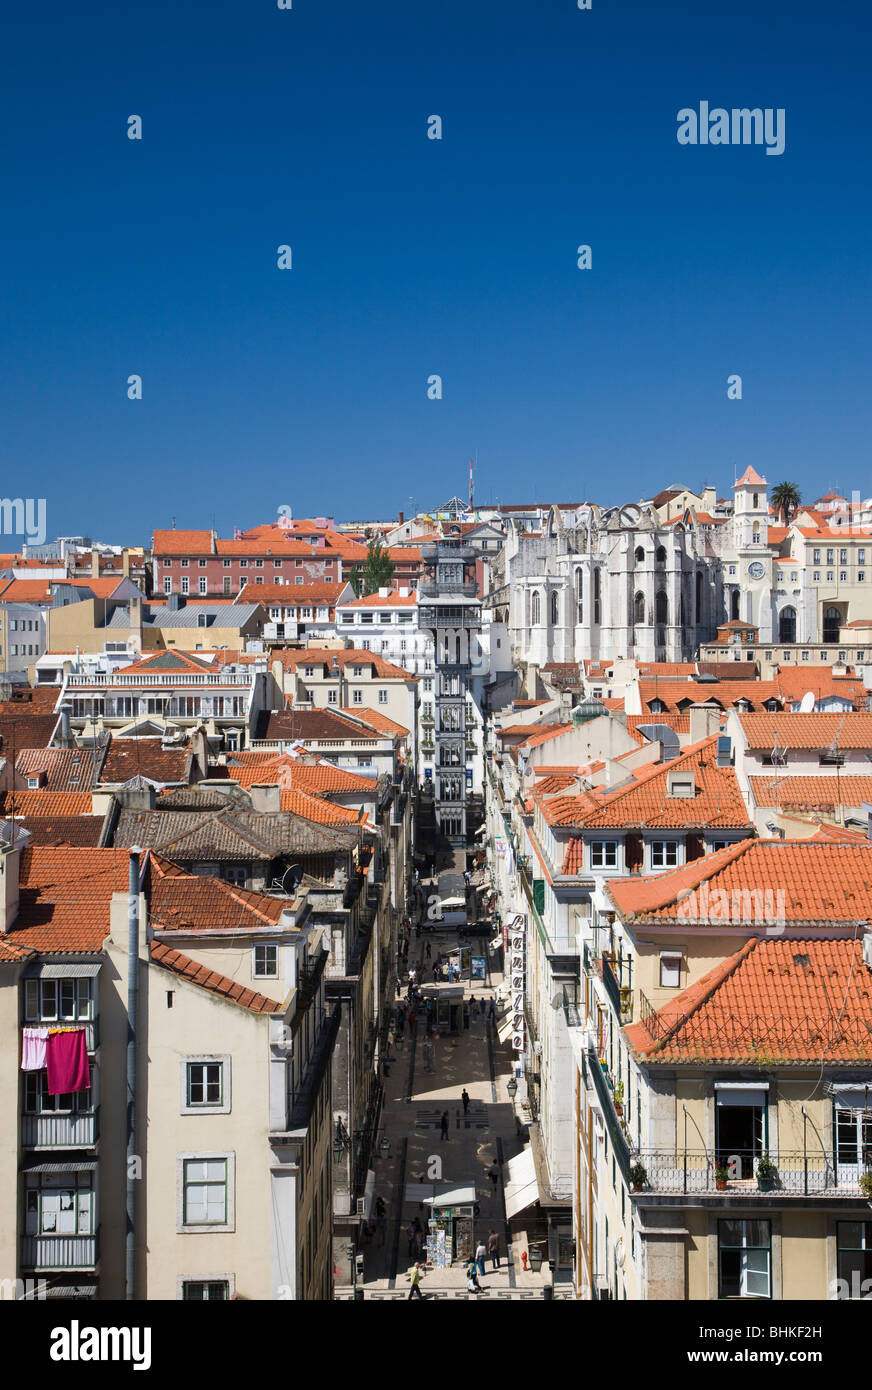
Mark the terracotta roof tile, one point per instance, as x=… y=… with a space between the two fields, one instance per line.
x=810 y=793
x=293 y=595
x=785 y=1000
x=821 y=883
x=716 y=802
x=201 y=975
x=46 y=803
x=853 y=730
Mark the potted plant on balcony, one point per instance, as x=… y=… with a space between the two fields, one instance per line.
x=638 y=1176
x=619 y=1098
x=767 y=1174
x=866 y=1184
x=722 y=1174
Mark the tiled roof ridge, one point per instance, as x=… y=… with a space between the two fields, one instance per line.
x=689 y=876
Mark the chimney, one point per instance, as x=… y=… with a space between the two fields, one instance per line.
x=614 y=774
x=400 y=518
x=266 y=798
x=65 y=740
x=9 y=865
x=136 y=798
x=134 y=616
x=705 y=722
x=125 y=562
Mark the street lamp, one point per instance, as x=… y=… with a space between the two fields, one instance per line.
x=512 y=1087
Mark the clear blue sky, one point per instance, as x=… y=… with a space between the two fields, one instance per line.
x=412 y=256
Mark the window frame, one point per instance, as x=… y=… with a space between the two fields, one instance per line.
x=226 y=1156
x=264 y=946
x=204 y=1059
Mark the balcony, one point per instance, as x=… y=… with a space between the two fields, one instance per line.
x=447 y=551
x=59 y=1252
x=616 y=1133
x=797 y=1175
x=92 y=1031
x=49 y=1131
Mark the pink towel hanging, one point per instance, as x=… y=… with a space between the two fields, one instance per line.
x=33 y=1048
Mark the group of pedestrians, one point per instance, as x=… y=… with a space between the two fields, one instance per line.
x=475 y=1268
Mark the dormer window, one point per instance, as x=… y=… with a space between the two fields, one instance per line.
x=681 y=782
x=656 y=706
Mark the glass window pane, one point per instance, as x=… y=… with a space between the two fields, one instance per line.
x=68 y=998
x=731 y=1261
x=757 y=1272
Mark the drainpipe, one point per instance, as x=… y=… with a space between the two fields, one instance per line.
x=132 y=1005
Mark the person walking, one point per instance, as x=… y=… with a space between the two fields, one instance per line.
x=480 y=1253
x=472 y=1284
x=445 y=1125
x=493 y=1248
x=381 y=1220
x=415 y=1281
x=464 y=1096
x=492 y=1009
x=428 y=951
x=493 y=1173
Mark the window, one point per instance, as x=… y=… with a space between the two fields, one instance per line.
x=816 y=576
x=243 y=564
x=211 y=1291
x=205 y=1085
x=832 y=624
x=815 y=557
x=185 y=564
x=186 y=584
x=258 y=564
x=59 y=1204
x=204 y=1191
x=277 y=564
x=670 y=971
x=534 y=608
x=266 y=962
x=861 y=555
x=202 y=584
x=357 y=697
x=332 y=697
x=843 y=556
x=604 y=854
x=744 y=1259
x=664 y=854
x=45 y=1000
x=382 y=697
x=830 y=578
x=226 y=564
x=166 y=562
x=830 y=556
x=805 y=656
x=168 y=584
x=861 y=577
x=854 y=1257
x=202 y=564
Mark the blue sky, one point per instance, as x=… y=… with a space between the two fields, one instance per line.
x=308 y=127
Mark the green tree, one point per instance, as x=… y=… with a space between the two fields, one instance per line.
x=378 y=568
x=785 y=497
x=356 y=582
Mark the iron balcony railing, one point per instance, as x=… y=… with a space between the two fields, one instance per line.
x=796 y=1174
x=59 y=1252
x=610 y=983
x=619 y=1139
x=49 y=1131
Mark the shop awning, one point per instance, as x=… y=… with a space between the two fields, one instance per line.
x=519 y=1183
x=453 y=1197
x=504 y=1026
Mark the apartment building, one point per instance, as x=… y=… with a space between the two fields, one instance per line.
x=226 y=1172
x=297 y=611
x=723 y=1079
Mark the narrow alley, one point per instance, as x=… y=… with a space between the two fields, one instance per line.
x=432 y=1066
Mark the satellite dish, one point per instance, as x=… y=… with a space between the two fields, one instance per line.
x=806 y=704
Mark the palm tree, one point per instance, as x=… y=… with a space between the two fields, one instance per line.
x=785 y=497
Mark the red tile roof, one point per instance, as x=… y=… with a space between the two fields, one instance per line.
x=324 y=593
x=230 y=990
x=376 y=720
x=138 y=757
x=46 y=803
x=821 y=883
x=752 y=477
x=65 y=769
x=180 y=901
x=717 y=801
x=810 y=793
x=292 y=657
x=779 y=1000
x=64 y=830
x=544 y=735
x=65 y=896
x=252 y=767
x=853 y=731
x=393 y=600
